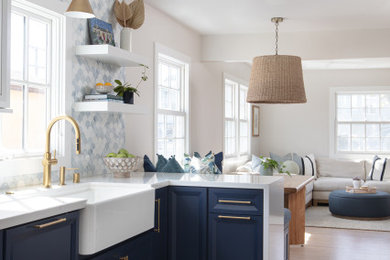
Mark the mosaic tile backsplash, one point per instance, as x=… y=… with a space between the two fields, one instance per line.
x=101 y=133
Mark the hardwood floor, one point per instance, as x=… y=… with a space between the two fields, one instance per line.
x=342 y=244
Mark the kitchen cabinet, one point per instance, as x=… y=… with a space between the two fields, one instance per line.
x=5 y=11
x=160 y=231
x=232 y=237
x=187 y=223
x=1 y=244
x=50 y=238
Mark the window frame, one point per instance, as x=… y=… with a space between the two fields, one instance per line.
x=172 y=56
x=32 y=163
x=236 y=118
x=358 y=155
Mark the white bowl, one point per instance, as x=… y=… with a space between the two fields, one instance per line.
x=103 y=89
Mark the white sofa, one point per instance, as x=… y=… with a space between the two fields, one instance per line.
x=332 y=174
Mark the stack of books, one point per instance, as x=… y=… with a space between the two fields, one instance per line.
x=103 y=97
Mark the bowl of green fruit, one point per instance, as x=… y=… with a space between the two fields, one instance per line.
x=121 y=164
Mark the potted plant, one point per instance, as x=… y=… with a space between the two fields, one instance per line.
x=267 y=166
x=127 y=91
x=357 y=182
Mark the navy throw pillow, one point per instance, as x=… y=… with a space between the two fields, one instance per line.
x=218 y=160
x=161 y=162
x=148 y=165
x=197 y=155
x=172 y=166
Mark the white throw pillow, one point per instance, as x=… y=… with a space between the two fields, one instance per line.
x=378 y=169
x=245 y=168
x=309 y=165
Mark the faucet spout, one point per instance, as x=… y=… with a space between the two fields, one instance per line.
x=47 y=161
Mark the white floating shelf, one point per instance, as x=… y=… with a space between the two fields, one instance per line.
x=110 y=54
x=105 y=106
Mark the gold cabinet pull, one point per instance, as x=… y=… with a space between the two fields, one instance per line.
x=158 y=215
x=51 y=223
x=124 y=258
x=235 y=201
x=234 y=217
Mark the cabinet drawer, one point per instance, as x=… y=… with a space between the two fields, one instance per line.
x=241 y=201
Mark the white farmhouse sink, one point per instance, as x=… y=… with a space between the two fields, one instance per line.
x=114 y=213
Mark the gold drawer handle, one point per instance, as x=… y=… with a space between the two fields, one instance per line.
x=235 y=201
x=158 y=216
x=124 y=258
x=234 y=217
x=51 y=223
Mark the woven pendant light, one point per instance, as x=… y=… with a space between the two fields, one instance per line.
x=80 y=9
x=276 y=79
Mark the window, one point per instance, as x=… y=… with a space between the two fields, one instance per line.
x=237 y=121
x=362 y=122
x=171 y=104
x=35 y=87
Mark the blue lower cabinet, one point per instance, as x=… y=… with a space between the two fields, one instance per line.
x=160 y=231
x=51 y=238
x=1 y=245
x=187 y=223
x=235 y=237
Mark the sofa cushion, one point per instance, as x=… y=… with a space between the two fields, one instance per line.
x=340 y=168
x=331 y=183
x=380 y=185
x=310 y=187
x=172 y=166
x=309 y=165
x=288 y=157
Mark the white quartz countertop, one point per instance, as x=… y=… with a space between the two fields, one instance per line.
x=35 y=202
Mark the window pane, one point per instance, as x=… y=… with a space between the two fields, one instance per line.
x=163 y=98
x=343 y=144
x=385 y=100
x=174 y=77
x=358 y=101
x=385 y=130
x=344 y=130
x=373 y=144
x=36 y=115
x=170 y=146
x=180 y=127
x=229 y=103
x=386 y=144
x=358 y=144
x=343 y=114
x=372 y=100
x=343 y=101
x=385 y=114
x=37 y=47
x=230 y=137
x=160 y=126
x=358 y=114
x=358 y=130
x=243 y=104
x=243 y=145
x=11 y=125
x=169 y=126
x=163 y=75
x=17 y=41
x=372 y=130
x=372 y=114
x=243 y=129
x=179 y=150
x=161 y=146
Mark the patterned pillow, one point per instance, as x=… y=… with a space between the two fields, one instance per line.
x=309 y=165
x=161 y=162
x=289 y=157
x=378 y=169
x=205 y=165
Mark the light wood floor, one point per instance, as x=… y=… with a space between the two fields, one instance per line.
x=342 y=244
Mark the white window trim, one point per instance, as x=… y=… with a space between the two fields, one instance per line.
x=332 y=121
x=238 y=155
x=160 y=49
x=33 y=165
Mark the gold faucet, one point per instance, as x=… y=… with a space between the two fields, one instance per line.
x=47 y=161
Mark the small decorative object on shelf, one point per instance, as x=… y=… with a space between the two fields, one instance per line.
x=103 y=97
x=368 y=190
x=100 y=32
x=103 y=88
x=127 y=91
x=130 y=16
x=121 y=164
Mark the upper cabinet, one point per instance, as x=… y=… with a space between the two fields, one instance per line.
x=5 y=11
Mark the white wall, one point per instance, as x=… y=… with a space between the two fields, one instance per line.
x=206 y=96
x=304 y=128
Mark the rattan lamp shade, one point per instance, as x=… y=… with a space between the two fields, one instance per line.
x=276 y=79
x=80 y=9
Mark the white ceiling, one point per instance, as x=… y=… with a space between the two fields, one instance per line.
x=253 y=16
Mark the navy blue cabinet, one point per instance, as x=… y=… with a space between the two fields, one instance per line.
x=51 y=238
x=234 y=237
x=1 y=245
x=160 y=231
x=187 y=223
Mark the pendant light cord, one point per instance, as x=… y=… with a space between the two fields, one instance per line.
x=277 y=37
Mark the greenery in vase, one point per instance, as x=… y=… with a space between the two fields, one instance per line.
x=121 y=88
x=269 y=163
